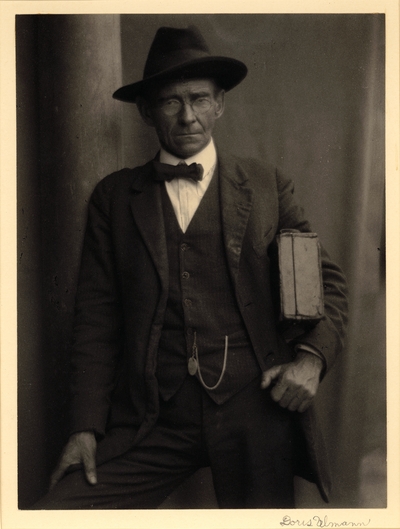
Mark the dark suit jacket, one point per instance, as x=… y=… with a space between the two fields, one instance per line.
x=123 y=289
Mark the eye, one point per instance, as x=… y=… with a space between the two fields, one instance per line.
x=202 y=104
x=171 y=103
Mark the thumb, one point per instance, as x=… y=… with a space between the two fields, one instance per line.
x=269 y=375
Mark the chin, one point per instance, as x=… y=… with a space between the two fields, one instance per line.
x=188 y=154
x=186 y=151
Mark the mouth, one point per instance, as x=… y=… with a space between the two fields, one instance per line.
x=188 y=137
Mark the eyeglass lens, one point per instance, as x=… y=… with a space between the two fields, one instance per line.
x=174 y=106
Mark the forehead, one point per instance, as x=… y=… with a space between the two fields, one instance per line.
x=187 y=87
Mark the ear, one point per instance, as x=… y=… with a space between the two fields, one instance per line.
x=145 y=110
x=220 y=104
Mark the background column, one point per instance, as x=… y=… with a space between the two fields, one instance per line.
x=69 y=138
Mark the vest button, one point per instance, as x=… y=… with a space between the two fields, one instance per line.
x=185 y=275
x=188 y=302
x=184 y=247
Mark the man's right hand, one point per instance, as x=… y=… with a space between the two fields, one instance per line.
x=81 y=448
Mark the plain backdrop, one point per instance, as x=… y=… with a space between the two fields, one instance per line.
x=313 y=103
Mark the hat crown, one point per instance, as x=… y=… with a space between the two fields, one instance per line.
x=177 y=53
x=174 y=46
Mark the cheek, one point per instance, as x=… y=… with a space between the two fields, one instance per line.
x=164 y=131
x=208 y=123
x=163 y=125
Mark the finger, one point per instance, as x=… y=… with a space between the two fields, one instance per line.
x=295 y=403
x=269 y=375
x=278 y=392
x=304 y=405
x=89 y=465
x=288 y=398
x=58 y=474
x=91 y=476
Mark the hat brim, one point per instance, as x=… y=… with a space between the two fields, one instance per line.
x=227 y=73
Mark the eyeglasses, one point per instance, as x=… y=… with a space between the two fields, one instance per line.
x=173 y=106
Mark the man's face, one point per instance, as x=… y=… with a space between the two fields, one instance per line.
x=198 y=104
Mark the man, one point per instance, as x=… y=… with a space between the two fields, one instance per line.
x=178 y=360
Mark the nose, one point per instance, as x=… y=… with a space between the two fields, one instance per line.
x=186 y=114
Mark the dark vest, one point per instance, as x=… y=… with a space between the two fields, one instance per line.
x=202 y=304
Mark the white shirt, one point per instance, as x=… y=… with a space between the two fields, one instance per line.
x=186 y=194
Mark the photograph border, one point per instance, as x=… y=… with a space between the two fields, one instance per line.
x=11 y=517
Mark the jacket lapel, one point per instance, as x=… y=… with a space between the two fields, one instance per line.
x=146 y=206
x=236 y=205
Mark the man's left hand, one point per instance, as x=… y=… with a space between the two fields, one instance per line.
x=296 y=382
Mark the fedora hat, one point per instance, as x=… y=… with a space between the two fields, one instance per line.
x=183 y=54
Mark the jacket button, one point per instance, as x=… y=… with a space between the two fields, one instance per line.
x=185 y=275
x=184 y=247
x=188 y=302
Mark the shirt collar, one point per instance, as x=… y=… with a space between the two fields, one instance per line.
x=207 y=157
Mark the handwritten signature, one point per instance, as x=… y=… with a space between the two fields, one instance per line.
x=316 y=521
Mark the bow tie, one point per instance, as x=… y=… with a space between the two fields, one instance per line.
x=166 y=172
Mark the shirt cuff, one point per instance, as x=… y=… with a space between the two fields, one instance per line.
x=305 y=348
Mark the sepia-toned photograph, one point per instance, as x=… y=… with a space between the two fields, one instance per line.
x=201 y=262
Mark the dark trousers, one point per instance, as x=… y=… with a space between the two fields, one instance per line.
x=247 y=441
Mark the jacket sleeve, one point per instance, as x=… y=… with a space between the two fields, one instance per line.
x=327 y=337
x=98 y=320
